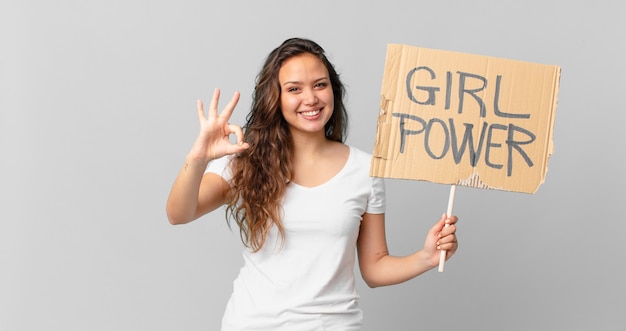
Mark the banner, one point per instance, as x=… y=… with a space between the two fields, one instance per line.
x=465 y=119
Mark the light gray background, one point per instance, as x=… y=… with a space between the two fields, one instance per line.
x=97 y=112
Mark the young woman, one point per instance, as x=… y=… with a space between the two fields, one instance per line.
x=303 y=201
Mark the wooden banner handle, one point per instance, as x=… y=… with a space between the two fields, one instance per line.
x=442 y=254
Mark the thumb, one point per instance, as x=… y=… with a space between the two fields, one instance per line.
x=438 y=226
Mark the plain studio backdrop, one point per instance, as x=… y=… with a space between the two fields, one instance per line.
x=97 y=113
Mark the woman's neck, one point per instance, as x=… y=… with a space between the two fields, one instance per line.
x=310 y=145
x=317 y=159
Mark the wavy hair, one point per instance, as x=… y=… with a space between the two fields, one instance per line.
x=261 y=173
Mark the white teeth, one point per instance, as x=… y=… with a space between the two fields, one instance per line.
x=310 y=113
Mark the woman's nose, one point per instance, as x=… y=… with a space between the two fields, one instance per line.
x=310 y=98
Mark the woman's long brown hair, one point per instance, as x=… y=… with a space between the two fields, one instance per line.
x=260 y=174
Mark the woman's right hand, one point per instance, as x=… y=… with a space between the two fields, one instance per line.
x=213 y=140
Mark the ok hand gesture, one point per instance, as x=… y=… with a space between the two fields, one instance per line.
x=213 y=140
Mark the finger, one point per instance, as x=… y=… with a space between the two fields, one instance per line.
x=200 y=110
x=447 y=242
x=442 y=223
x=228 y=110
x=214 y=102
x=448 y=238
x=435 y=230
x=449 y=230
x=449 y=248
x=235 y=149
x=236 y=129
x=452 y=219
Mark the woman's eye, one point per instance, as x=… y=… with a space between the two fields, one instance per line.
x=321 y=85
x=292 y=89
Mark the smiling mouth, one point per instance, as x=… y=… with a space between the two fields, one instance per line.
x=311 y=112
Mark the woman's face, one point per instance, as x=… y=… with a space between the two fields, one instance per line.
x=306 y=94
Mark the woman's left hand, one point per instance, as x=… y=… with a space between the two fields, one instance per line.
x=442 y=236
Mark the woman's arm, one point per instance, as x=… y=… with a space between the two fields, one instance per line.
x=195 y=193
x=378 y=268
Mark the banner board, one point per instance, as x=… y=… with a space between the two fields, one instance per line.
x=465 y=119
